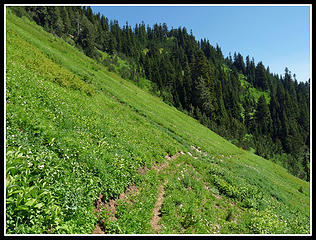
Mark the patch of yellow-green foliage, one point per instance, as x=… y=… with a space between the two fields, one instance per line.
x=253 y=91
x=75 y=130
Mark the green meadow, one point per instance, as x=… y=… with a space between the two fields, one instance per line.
x=75 y=130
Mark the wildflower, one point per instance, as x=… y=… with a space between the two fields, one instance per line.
x=40 y=166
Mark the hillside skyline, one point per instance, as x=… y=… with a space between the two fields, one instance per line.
x=280 y=40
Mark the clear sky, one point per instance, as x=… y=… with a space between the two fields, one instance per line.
x=279 y=36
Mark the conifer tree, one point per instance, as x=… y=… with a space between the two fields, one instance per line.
x=263 y=117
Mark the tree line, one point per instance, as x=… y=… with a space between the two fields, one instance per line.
x=196 y=78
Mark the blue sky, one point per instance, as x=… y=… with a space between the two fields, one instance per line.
x=279 y=36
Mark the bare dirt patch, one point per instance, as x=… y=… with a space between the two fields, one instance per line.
x=130 y=192
x=98 y=204
x=160 y=167
x=142 y=171
x=165 y=164
x=98 y=229
x=217 y=196
x=110 y=207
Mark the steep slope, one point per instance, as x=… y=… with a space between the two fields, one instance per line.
x=77 y=134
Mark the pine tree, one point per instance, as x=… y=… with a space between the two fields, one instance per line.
x=262 y=116
x=56 y=23
x=260 y=78
x=86 y=38
x=65 y=20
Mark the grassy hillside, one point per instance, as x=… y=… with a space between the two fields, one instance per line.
x=89 y=152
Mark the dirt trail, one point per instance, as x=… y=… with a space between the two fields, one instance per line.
x=110 y=206
x=156 y=211
x=157 y=214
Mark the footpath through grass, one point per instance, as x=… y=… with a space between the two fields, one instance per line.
x=75 y=131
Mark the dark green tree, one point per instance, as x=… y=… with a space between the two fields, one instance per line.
x=262 y=117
